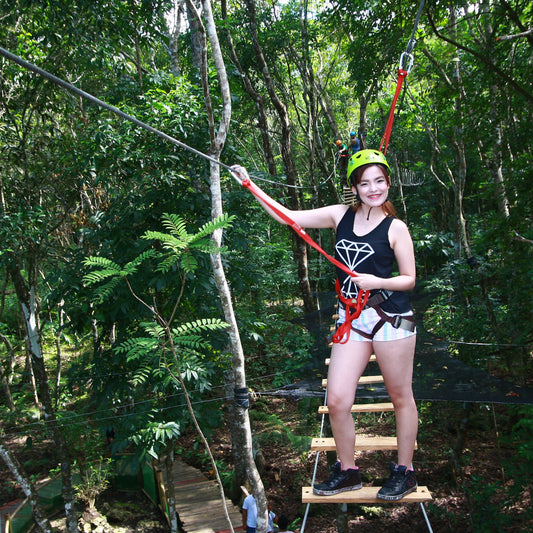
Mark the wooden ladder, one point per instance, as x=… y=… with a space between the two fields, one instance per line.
x=325 y=444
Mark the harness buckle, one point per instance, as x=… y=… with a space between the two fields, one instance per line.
x=397 y=321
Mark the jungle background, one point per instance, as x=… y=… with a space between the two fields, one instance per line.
x=111 y=302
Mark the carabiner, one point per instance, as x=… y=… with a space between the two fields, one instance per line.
x=410 y=62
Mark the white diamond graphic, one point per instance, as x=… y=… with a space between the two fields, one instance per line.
x=352 y=254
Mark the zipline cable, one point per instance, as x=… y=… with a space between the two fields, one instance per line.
x=254 y=189
x=101 y=103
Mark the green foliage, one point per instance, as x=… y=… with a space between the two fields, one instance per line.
x=485 y=512
x=161 y=356
x=179 y=247
x=275 y=430
x=180 y=244
x=155 y=436
x=520 y=438
x=94 y=480
x=190 y=344
x=77 y=182
x=280 y=348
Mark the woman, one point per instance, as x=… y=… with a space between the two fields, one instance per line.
x=369 y=240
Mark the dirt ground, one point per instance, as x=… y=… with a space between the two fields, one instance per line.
x=469 y=495
x=462 y=501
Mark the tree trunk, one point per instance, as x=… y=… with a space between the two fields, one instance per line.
x=299 y=246
x=137 y=48
x=59 y=357
x=26 y=295
x=5 y=372
x=238 y=452
x=39 y=515
x=178 y=12
x=197 y=36
x=171 y=494
x=341 y=518
x=459 y=181
x=262 y=119
x=363 y=107
x=218 y=138
x=31 y=376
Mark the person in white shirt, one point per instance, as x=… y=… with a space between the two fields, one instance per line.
x=249 y=514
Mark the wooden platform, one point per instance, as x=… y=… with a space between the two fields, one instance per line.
x=364 y=495
x=199 y=503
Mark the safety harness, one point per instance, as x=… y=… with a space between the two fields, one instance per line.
x=353 y=307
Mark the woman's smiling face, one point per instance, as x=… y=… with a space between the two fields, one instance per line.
x=373 y=187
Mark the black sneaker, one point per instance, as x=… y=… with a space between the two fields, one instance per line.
x=400 y=483
x=339 y=481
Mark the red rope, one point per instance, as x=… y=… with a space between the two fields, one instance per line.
x=388 y=128
x=353 y=308
x=258 y=193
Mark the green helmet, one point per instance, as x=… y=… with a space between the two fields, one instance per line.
x=365 y=157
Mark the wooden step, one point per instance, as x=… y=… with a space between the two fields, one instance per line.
x=364 y=380
x=362 y=443
x=371 y=360
x=364 y=495
x=362 y=408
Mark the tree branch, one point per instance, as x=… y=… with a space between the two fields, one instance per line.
x=520 y=238
x=484 y=59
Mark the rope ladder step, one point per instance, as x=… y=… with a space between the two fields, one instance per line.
x=362 y=408
x=362 y=443
x=365 y=380
x=364 y=495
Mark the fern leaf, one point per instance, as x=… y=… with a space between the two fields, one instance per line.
x=197 y=326
x=97 y=261
x=189 y=263
x=175 y=224
x=208 y=228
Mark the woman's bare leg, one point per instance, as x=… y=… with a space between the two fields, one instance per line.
x=395 y=359
x=347 y=363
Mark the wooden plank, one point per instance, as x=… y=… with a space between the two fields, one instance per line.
x=362 y=408
x=362 y=443
x=364 y=380
x=199 y=502
x=364 y=495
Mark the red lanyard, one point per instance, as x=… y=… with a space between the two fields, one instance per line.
x=258 y=193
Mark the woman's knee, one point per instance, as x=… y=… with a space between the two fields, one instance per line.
x=402 y=398
x=338 y=404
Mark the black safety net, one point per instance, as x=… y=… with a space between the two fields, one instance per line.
x=436 y=376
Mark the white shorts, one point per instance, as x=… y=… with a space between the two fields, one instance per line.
x=367 y=321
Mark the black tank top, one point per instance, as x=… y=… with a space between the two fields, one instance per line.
x=368 y=254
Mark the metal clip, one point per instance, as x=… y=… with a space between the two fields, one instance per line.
x=411 y=59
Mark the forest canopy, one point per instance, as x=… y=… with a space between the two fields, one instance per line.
x=79 y=182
